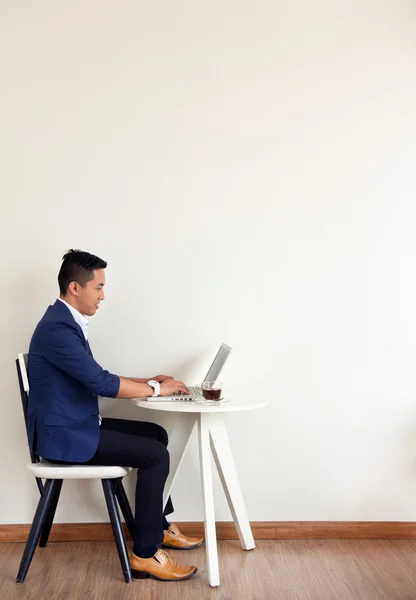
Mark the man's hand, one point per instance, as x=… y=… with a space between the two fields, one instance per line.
x=160 y=378
x=170 y=386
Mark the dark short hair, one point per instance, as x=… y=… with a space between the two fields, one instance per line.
x=78 y=266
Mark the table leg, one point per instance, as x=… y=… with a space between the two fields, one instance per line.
x=177 y=450
x=221 y=450
x=208 y=497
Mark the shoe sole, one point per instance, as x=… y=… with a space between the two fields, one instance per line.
x=182 y=547
x=146 y=575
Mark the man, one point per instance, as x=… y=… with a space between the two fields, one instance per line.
x=65 y=425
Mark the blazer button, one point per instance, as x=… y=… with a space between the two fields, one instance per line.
x=94 y=415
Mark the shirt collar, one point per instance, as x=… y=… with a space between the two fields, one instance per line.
x=82 y=320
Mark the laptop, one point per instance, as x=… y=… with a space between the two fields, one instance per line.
x=194 y=392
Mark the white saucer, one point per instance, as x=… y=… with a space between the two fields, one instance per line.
x=203 y=401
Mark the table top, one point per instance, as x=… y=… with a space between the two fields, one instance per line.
x=201 y=407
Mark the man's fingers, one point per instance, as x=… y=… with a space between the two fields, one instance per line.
x=184 y=388
x=181 y=387
x=174 y=386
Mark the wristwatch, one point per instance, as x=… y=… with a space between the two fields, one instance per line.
x=156 y=387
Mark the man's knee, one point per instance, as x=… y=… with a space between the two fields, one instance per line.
x=161 y=456
x=166 y=458
x=162 y=434
x=154 y=455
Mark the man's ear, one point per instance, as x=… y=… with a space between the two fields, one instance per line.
x=73 y=288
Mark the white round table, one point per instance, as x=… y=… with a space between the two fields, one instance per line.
x=208 y=420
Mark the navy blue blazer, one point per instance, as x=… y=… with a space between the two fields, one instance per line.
x=65 y=382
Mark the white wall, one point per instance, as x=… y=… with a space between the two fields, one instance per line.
x=247 y=169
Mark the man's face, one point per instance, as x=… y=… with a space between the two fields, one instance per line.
x=90 y=296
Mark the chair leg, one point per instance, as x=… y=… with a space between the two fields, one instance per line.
x=40 y=485
x=51 y=514
x=41 y=514
x=117 y=528
x=125 y=507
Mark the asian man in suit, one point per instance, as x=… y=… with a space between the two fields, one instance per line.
x=64 y=421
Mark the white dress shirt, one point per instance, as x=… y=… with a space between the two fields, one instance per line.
x=82 y=320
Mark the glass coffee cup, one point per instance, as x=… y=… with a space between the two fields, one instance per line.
x=211 y=390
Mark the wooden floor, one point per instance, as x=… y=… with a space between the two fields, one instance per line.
x=276 y=570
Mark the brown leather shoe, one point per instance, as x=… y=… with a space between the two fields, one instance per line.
x=161 y=567
x=175 y=539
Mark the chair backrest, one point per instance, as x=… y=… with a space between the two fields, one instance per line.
x=21 y=365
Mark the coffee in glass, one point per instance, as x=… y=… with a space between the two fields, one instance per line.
x=212 y=390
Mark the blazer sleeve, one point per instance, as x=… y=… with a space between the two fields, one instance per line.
x=65 y=351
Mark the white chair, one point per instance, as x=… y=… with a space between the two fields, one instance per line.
x=54 y=474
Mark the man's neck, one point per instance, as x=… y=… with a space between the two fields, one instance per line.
x=79 y=318
x=70 y=301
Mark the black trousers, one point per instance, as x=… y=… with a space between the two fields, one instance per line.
x=142 y=446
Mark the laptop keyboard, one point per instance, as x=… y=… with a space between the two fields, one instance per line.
x=178 y=396
x=184 y=397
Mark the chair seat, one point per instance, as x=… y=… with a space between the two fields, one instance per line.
x=47 y=470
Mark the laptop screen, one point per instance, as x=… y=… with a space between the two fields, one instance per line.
x=219 y=361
